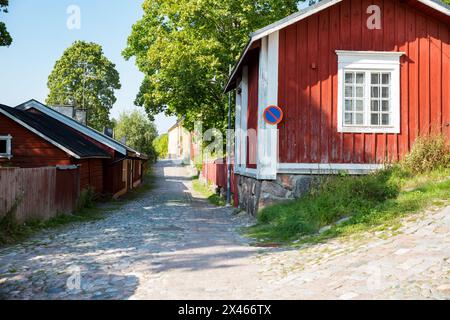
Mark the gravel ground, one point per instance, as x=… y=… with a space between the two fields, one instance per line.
x=171 y=244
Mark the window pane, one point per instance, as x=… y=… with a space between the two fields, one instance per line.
x=3 y=146
x=375 y=92
x=348 y=118
x=349 y=91
x=359 y=118
x=385 y=119
x=359 y=105
x=385 y=105
x=374 y=118
x=385 y=92
x=348 y=105
x=374 y=106
x=386 y=78
x=360 y=92
x=360 y=78
x=375 y=78
x=349 y=77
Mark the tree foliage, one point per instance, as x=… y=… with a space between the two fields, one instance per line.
x=161 y=145
x=138 y=131
x=5 y=37
x=185 y=47
x=85 y=78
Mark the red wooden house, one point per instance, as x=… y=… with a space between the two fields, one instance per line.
x=357 y=80
x=126 y=167
x=117 y=170
x=30 y=140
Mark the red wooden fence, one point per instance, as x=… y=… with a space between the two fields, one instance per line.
x=215 y=172
x=39 y=193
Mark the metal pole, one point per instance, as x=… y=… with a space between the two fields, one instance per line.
x=229 y=149
x=84 y=85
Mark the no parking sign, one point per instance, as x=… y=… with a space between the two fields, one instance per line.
x=273 y=115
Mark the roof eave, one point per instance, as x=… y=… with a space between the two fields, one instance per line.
x=75 y=125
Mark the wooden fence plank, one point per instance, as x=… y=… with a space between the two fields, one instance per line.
x=43 y=192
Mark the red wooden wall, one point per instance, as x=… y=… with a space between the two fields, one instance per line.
x=91 y=174
x=114 y=181
x=29 y=150
x=215 y=172
x=252 y=118
x=308 y=95
x=137 y=170
x=44 y=192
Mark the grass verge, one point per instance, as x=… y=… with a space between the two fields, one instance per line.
x=370 y=202
x=207 y=192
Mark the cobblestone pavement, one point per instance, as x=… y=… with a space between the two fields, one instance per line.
x=170 y=243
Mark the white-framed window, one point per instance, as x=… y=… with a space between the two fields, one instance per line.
x=368 y=91
x=5 y=146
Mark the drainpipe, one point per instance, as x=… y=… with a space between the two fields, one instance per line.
x=229 y=149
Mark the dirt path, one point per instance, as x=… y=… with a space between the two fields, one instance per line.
x=170 y=243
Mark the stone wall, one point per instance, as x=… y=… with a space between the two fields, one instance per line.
x=256 y=194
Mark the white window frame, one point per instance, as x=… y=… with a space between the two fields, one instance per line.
x=8 y=154
x=367 y=62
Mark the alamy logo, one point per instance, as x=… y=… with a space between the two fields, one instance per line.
x=374 y=21
x=74 y=19
x=73 y=283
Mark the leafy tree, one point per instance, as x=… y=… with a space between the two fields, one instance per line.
x=85 y=78
x=138 y=131
x=5 y=37
x=161 y=145
x=185 y=47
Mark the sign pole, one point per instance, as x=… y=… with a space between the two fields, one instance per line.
x=228 y=203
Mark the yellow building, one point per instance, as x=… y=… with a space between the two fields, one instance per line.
x=180 y=143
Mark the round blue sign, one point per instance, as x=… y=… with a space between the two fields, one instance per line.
x=273 y=115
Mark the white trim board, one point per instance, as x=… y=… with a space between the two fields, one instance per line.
x=56 y=144
x=267 y=95
x=367 y=62
x=247 y=172
x=436 y=6
x=8 y=154
x=327 y=168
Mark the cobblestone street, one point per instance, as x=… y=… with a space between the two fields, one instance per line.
x=172 y=244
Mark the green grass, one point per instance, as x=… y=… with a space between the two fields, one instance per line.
x=207 y=192
x=375 y=201
x=88 y=210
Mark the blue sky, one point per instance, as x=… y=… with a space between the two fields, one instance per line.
x=40 y=33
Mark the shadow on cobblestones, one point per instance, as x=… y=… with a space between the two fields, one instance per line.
x=162 y=230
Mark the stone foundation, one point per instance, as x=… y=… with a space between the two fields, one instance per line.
x=256 y=194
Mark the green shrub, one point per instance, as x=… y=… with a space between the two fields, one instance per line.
x=86 y=199
x=8 y=223
x=330 y=199
x=427 y=154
